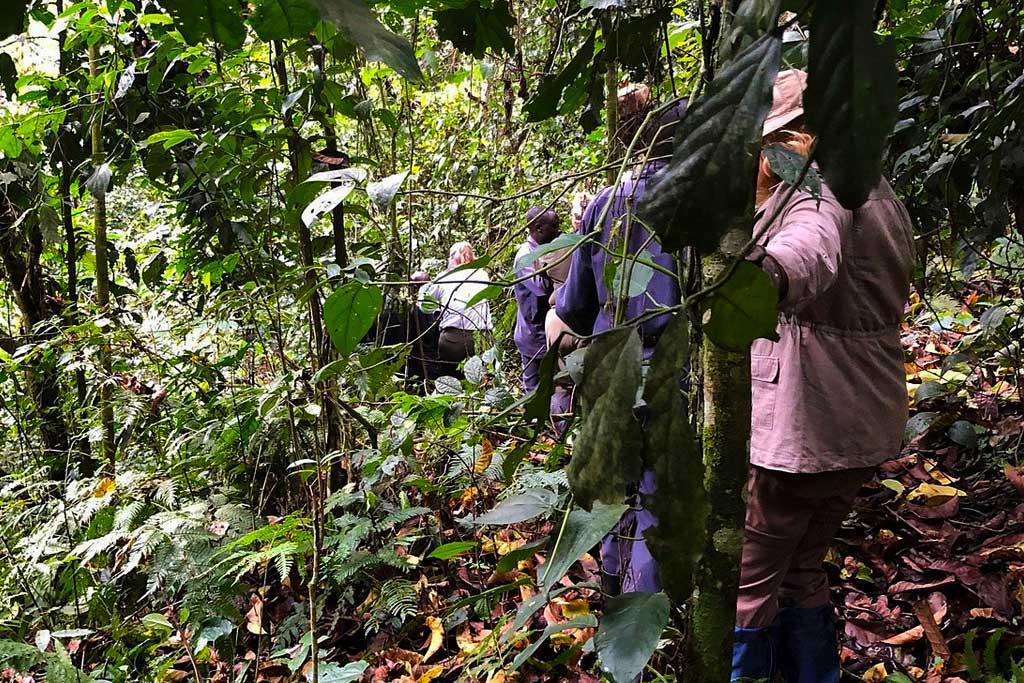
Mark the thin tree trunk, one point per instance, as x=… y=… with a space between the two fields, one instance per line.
x=66 y=209
x=611 y=86
x=102 y=274
x=726 y=436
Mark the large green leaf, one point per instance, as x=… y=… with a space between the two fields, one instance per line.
x=349 y=313
x=519 y=508
x=216 y=20
x=629 y=632
x=851 y=100
x=544 y=103
x=708 y=186
x=354 y=19
x=382 y=192
x=564 y=241
x=475 y=28
x=538 y=407
x=788 y=164
x=583 y=530
x=743 y=309
x=607 y=455
x=671 y=453
x=335 y=673
x=283 y=19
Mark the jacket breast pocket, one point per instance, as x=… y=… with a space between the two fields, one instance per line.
x=764 y=375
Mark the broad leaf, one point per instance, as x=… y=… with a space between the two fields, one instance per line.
x=99 y=181
x=638 y=271
x=671 y=452
x=283 y=19
x=343 y=175
x=753 y=19
x=474 y=28
x=335 y=673
x=216 y=20
x=607 y=456
x=354 y=19
x=708 y=186
x=538 y=407
x=851 y=100
x=629 y=632
x=788 y=164
x=511 y=559
x=563 y=241
x=519 y=508
x=743 y=309
x=325 y=202
x=583 y=530
x=382 y=192
x=349 y=314
x=544 y=103
x=452 y=550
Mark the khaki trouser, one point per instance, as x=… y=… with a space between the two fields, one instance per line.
x=791 y=518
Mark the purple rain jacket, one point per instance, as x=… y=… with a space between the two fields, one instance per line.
x=584 y=302
x=532 y=300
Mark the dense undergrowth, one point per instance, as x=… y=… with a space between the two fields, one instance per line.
x=205 y=476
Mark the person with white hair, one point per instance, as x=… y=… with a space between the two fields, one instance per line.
x=451 y=294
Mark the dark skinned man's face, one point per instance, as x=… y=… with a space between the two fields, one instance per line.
x=544 y=233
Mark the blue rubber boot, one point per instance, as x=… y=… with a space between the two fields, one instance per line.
x=808 y=650
x=753 y=654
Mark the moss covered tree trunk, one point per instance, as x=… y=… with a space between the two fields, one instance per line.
x=726 y=439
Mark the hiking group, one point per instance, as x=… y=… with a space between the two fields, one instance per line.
x=842 y=278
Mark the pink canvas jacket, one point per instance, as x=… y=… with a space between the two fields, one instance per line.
x=831 y=393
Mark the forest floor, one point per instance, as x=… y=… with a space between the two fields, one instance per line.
x=927 y=573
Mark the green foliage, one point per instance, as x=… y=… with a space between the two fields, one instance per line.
x=216 y=20
x=359 y=26
x=629 y=632
x=742 y=309
x=349 y=313
x=581 y=530
x=475 y=28
x=851 y=98
x=670 y=452
x=707 y=188
x=608 y=452
x=283 y=19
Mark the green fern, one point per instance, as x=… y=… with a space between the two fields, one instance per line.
x=397 y=602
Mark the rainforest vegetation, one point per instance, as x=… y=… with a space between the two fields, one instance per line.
x=217 y=463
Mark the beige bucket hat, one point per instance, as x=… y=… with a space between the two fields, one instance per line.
x=787 y=100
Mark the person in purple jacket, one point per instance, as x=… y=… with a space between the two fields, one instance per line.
x=586 y=306
x=532 y=295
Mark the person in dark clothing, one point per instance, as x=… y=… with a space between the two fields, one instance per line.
x=423 y=333
x=533 y=294
x=586 y=306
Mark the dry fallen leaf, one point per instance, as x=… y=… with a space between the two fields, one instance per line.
x=430 y=674
x=436 y=637
x=105 y=486
x=254 y=617
x=933 y=494
x=876 y=674
x=486 y=455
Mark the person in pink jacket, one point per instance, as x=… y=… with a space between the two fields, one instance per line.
x=829 y=400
